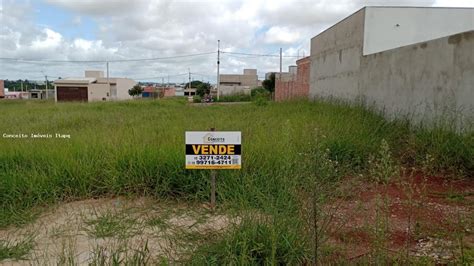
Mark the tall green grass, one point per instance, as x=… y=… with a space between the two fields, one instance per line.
x=137 y=148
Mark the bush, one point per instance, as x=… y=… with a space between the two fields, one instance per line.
x=259 y=91
x=240 y=97
x=197 y=99
x=260 y=100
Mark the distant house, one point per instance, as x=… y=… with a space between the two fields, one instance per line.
x=93 y=87
x=41 y=94
x=158 y=92
x=170 y=92
x=189 y=91
x=16 y=95
x=284 y=76
x=149 y=92
x=238 y=83
x=2 y=88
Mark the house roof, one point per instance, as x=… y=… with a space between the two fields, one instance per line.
x=149 y=89
x=81 y=80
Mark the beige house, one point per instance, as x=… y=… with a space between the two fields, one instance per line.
x=93 y=87
x=285 y=76
x=238 y=83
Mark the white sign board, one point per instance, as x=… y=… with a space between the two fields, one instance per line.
x=213 y=150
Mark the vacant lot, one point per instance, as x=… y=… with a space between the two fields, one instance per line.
x=319 y=180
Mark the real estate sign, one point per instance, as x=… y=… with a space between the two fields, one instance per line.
x=213 y=150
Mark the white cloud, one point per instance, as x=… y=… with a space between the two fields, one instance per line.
x=50 y=40
x=128 y=29
x=281 y=35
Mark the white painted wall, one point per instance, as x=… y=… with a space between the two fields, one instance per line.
x=415 y=25
x=123 y=85
x=98 y=92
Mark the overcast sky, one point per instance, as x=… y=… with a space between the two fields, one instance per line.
x=131 y=29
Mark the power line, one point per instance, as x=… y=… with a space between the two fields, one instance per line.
x=102 y=61
x=256 y=55
x=160 y=77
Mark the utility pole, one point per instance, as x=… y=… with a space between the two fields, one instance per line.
x=189 y=77
x=46 y=80
x=108 y=81
x=280 y=63
x=218 y=66
x=162 y=81
x=168 y=83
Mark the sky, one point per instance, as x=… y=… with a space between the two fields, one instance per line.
x=111 y=30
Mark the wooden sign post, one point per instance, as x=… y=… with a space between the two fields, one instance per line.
x=213 y=184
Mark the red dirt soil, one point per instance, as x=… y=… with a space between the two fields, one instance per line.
x=434 y=206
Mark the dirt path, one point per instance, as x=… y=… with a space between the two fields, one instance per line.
x=137 y=230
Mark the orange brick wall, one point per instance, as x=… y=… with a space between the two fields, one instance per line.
x=170 y=92
x=296 y=88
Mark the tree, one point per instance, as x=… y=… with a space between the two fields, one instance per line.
x=135 y=90
x=194 y=84
x=269 y=84
x=203 y=88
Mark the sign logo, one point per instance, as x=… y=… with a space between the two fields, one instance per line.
x=209 y=138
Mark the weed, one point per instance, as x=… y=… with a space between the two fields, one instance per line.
x=157 y=222
x=16 y=250
x=383 y=167
x=380 y=231
x=112 y=225
x=67 y=255
x=254 y=242
x=122 y=255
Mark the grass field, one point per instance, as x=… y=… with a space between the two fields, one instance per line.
x=136 y=148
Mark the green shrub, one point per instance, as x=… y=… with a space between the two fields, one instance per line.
x=259 y=91
x=197 y=99
x=239 y=97
x=260 y=100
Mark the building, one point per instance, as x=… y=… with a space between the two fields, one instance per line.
x=296 y=87
x=169 y=91
x=413 y=61
x=2 y=88
x=179 y=90
x=284 y=76
x=16 y=95
x=189 y=92
x=93 y=87
x=238 y=83
x=36 y=94
x=149 y=92
x=158 y=92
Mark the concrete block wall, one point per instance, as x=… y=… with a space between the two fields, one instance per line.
x=425 y=80
x=225 y=90
x=335 y=59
